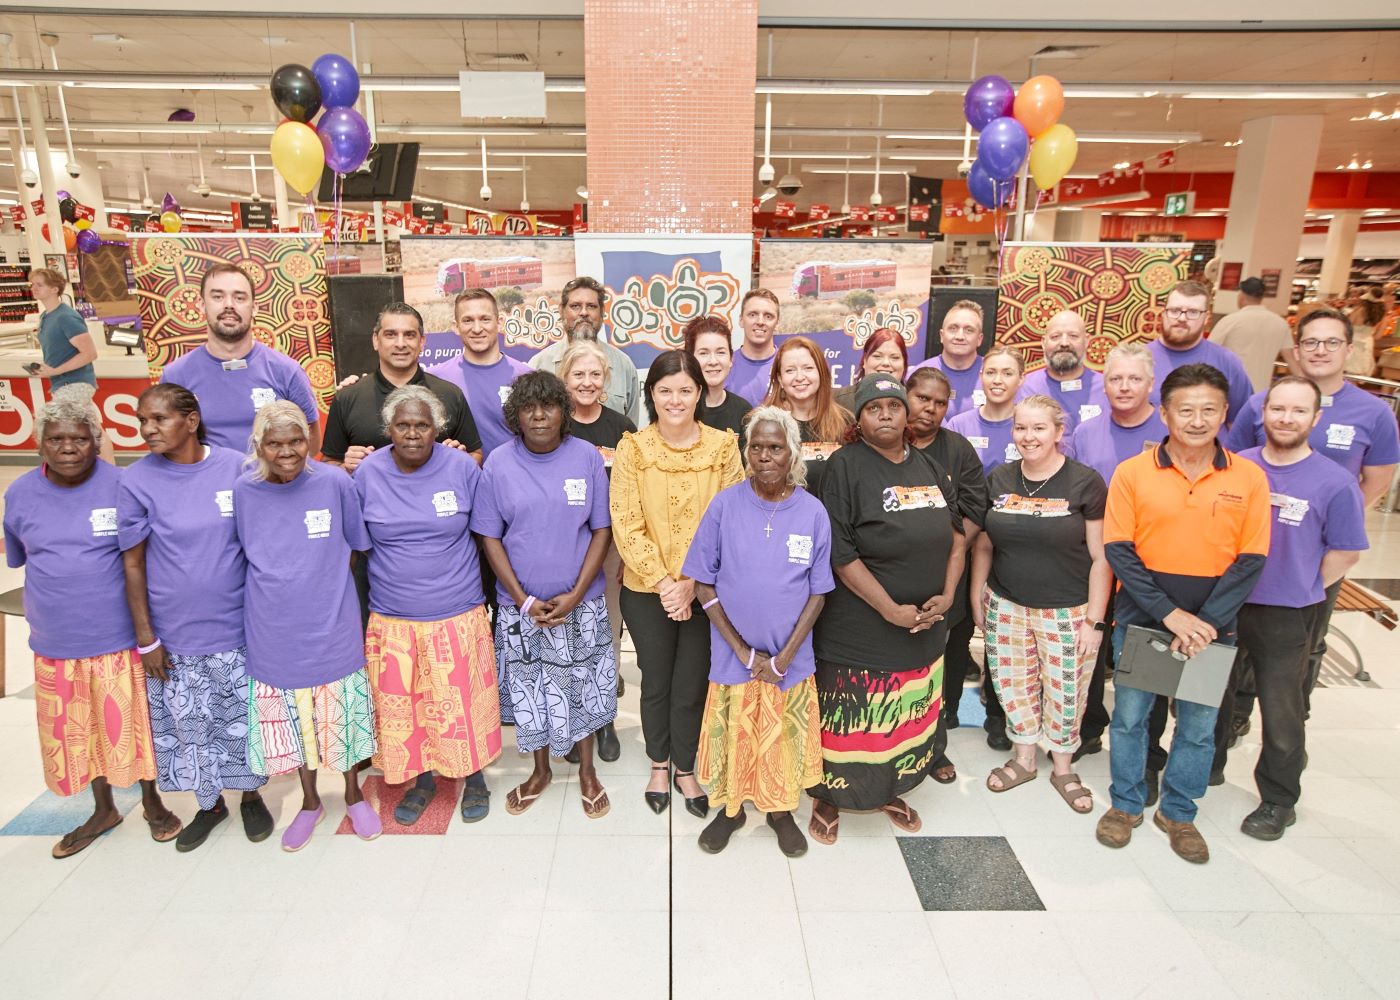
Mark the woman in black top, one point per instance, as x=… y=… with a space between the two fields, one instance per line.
x=1039 y=587
x=709 y=340
x=879 y=640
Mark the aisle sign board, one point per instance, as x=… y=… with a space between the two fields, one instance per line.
x=1180 y=203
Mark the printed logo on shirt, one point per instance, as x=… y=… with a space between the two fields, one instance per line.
x=1229 y=499
x=607 y=454
x=818 y=451
x=504 y=393
x=1014 y=503
x=223 y=499
x=800 y=549
x=445 y=503
x=913 y=498
x=885 y=385
x=318 y=524
x=1340 y=436
x=576 y=491
x=1291 y=510
x=103 y=521
x=978 y=397
x=1088 y=411
x=1011 y=453
x=262 y=396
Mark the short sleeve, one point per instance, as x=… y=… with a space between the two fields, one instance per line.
x=1095 y=493
x=464 y=431
x=1385 y=440
x=820 y=580
x=599 y=516
x=298 y=390
x=337 y=439
x=1120 y=513
x=1242 y=434
x=71 y=324
x=352 y=517
x=702 y=561
x=133 y=516
x=1345 y=528
x=840 y=510
x=487 y=520
x=14 y=546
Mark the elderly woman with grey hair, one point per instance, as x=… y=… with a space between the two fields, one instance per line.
x=299 y=523
x=432 y=665
x=761 y=562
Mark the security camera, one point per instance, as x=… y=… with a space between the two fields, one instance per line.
x=73 y=169
x=876 y=199
x=766 y=173
x=486 y=192
x=789 y=184
x=203 y=190
x=964 y=168
x=524 y=206
x=30 y=178
x=256 y=198
x=365 y=168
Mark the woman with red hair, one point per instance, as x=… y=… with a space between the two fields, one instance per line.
x=801 y=384
x=885 y=353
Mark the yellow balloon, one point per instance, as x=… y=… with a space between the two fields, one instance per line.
x=81 y=224
x=170 y=222
x=1052 y=155
x=298 y=156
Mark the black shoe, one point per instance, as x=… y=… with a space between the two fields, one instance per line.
x=257 y=821
x=699 y=806
x=572 y=756
x=609 y=747
x=790 y=839
x=1217 y=777
x=1154 y=787
x=621 y=686
x=658 y=802
x=1268 y=821
x=197 y=830
x=1088 y=747
x=952 y=722
x=998 y=740
x=1238 y=727
x=715 y=837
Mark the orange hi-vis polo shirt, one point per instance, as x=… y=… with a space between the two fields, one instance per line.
x=1173 y=543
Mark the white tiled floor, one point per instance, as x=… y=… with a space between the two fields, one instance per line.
x=550 y=904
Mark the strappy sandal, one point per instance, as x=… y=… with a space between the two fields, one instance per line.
x=71 y=845
x=168 y=837
x=1012 y=773
x=826 y=832
x=591 y=808
x=1070 y=795
x=522 y=801
x=902 y=816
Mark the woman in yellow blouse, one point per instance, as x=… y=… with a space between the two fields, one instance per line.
x=664 y=476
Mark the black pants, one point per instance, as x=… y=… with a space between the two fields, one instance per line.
x=674 y=658
x=1096 y=718
x=1319 y=643
x=1275 y=646
x=958 y=664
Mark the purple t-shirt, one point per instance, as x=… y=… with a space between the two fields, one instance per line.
x=966 y=385
x=1166 y=360
x=763 y=579
x=991 y=439
x=195 y=568
x=1103 y=445
x=544 y=509
x=1082 y=398
x=1356 y=429
x=301 y=617
x=1316 y=507
x=750 y=378
x=486 y=388
x=231 y=392
x=74 y=585
x=424 y=566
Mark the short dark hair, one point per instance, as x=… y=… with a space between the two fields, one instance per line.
x=179 y=399
x=1296 y=380
x=398 y=309
x=224 y=267
x=539 y=388
x=1190 y=376
x=1326 y=312
x=929 y=374
x=473 y=295
x=584 y=281
x=669 y=363
x=700 y=325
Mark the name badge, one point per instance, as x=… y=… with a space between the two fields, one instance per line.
x=1326 y=401
x=1071 y=385
x=978 y=397
x=980 y=443
x=236 y=365
x=576 y=492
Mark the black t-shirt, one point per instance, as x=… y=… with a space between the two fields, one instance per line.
x=603 y=433
x=956 y=456
x=897 y=520
x=1040 y=558
x=354 y=417
x=817 y=454
x=727 y=416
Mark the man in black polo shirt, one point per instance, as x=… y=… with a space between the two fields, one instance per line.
x=353 y=425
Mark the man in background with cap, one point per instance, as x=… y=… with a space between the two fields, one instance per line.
x=1258 y=336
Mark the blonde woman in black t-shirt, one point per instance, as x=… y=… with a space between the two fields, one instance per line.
x=1039 y=587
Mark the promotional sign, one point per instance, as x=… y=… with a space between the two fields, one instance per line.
x=1231 y=271
x=502 y=224
x=1270 y=276
x=1119 y=289
x=115 y=397
x=838 y=292
x=254 y=214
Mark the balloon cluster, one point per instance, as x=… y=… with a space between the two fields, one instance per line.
x=341 y=140
x=1008 y=120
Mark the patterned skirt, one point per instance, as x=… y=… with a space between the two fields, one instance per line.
x=562 y=680
x=880 y=732
x=330 y=725
x=93 y=721
x=199 y=722
x=760 y=743
x=435 y=701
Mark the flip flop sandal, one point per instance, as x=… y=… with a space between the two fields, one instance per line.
x=946 y=774
x=168 y=837
x=522 y=801
x=902 y=816
x=66 y=848
x=592 y=809
x=1012 y=773
x=826 y=832
x=1059 y=781
x=411 y=806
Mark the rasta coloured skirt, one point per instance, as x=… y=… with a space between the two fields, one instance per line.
x=760 y=743
x=880 y=734
x=330 y=725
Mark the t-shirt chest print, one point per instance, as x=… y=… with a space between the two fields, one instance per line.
x=898 y=498
x=262 y=396
x=1014 y=503
x=318 y=523
x=1291 y=510
x=103 y=521
x=445 y=503
x=223 y=499
x=576 y=492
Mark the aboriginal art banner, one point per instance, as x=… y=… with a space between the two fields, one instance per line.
x=289 y=289
x=525 y=275
x=657 y=284
x=839 y=292
x=1119 y=288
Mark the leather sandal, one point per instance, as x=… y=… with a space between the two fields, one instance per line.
x=1012 y=773
x=1060 y=783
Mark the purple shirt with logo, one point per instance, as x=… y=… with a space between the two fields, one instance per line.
x=544 y=509
x=74 y=585
x=1356 y=429
x=230 y=392
x=424 y=565
x=990 y=438
x=966 y=385
x=1103 y=445
x=301 y=617
x=486 y=388
x=750 y=378
x=1082 y=398
x=1166 y=360
x=763 y=578
x=1315 y=508
x=195 y=568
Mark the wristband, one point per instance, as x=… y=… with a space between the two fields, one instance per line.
x=773 y=666
x=525 y=608
x=709 y=604
x=752 y=651
x=143 y=650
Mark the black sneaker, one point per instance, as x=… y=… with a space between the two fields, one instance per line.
x=1239 y=726
x=998 y=740
x=197 y=830
x=715 y=837
x=257 y=821
x=1268 y=821
x=1088 y=747
x=1154 y=787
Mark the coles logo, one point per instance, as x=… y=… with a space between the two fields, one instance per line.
x=116 y=398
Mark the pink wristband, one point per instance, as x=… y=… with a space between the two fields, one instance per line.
x=709 y=604
x=774 y=667
x=525 y=608
x=143 y=650
x=752 y=651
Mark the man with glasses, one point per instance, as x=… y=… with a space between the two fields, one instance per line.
x=581 y=309
x=961 y=336
x=1077 y=389
x=1183 y=343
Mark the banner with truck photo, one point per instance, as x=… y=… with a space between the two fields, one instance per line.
x=1119 y=289
x=838 y=292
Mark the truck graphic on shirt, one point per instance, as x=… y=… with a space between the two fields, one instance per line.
x=820 y=279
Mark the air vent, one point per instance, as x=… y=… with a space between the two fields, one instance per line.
x=1065 y=51
x=477 y=59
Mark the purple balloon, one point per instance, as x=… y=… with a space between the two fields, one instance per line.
x=345 y=137
x=1002 y=147
x=986 y=189
x=88 y=241
x=169 y=204
x=340 y=84
x=987 y=99
x=63 y=194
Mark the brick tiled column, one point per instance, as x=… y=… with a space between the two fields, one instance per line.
x=670 y=113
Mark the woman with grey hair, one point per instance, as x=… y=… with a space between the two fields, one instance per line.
x=761 y=562
x=299 y=523
x=431 y=663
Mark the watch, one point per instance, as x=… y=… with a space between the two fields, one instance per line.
x=1100 y=626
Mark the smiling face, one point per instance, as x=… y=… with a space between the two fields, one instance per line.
x=798 y=375
x=1184 y=320
x=163 y=428
x=228 y=306
x=1290 y=414
x=1127 y=383
x=1064 y=343
x=412 y=433
x=478 y=324
x=1194 y=415
x=715 y=357
x=68 y=449
x=882 y=422
x=284 y=449
x=1035 y=433
x=928 y=405
x=758 y=320
x=885 y=360
x=585 y=380
x=1001 y=378
x=675 y=397
x=1322 y=349
x=398 y=342
x=769 y=456
x=961 y=334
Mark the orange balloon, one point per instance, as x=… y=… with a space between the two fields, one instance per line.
x=70 y=238
x=1039 y=104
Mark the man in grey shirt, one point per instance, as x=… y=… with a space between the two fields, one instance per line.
x=581 y=309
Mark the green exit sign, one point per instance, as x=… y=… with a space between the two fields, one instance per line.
x=1181 y=203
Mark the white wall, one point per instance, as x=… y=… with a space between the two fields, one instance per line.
x=1372 y=244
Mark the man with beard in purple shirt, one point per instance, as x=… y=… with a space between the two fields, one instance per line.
x=1183 y=343
x=484 y=373
x=1078 y=390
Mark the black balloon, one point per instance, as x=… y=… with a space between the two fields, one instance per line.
x=68 y=210
x=296 y=92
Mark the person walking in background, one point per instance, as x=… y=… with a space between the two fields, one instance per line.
x=64 y=340
x=1257 y=335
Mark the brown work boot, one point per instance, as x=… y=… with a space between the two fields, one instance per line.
x=1116 y=828
x=1186 y=840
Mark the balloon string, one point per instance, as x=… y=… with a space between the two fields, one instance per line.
x=338 y=189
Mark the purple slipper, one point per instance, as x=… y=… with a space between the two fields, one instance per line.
x=295 y=837
x=364 y=820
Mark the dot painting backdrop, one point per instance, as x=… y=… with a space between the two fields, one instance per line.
x=1119 y=289
x=289 y=287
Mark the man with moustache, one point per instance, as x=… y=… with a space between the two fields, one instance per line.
x=581 y=309
x=961 y=337
x=1183 y=342
x=484 y=372
x=1078 y=390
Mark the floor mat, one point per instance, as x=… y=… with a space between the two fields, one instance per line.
x=384 y=797
x=968 y=873
x=52 y=815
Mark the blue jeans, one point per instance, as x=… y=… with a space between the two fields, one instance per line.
x=1188 y=762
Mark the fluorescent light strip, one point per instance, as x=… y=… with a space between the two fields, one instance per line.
x=791 y=155
x=839 y=172
x=462 y=167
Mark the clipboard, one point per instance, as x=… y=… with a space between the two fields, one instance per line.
x=1148 y=664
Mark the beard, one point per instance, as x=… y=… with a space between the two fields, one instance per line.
x=582 y=330
x=1062 y=362
x=1285 y=440
x=230 y=334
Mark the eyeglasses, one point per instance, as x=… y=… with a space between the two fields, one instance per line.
x=1332 y=345
x=1175 y=313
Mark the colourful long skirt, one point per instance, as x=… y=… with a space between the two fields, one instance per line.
x=93 y=721
x=330 y=725
x=760 y=743
x=562 y=680
x=435 y=700
x=199 y=723
x=880 y=732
